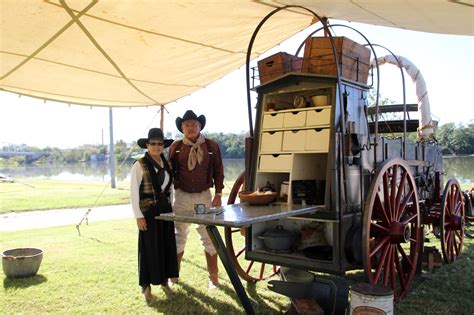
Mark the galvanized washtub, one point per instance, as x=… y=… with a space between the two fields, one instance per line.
x=21 y=262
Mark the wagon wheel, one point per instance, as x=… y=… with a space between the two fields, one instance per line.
x=452 y=221
x=235 y=239
x=391 y=233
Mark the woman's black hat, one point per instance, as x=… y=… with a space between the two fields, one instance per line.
x=154 y=133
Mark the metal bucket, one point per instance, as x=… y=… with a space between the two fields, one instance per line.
x=21 y=262
x=369 y=299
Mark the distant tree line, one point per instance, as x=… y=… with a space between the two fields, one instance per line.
x=455 y=139
x=232 y=147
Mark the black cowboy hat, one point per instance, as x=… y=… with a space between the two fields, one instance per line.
x=188 y=116
x=154 y=133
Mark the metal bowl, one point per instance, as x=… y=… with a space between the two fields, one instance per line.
x=257 y=199
x=21 y=262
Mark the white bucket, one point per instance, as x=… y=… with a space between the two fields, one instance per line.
x=369 y=299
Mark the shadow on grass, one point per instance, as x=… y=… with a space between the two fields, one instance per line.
x=96 y=240
x=18 y=283
x=257 y=300
x=187 y=299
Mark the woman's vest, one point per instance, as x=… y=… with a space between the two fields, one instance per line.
x=150 y=191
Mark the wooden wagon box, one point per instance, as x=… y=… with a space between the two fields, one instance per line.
x=354 y=59
x=277 y=65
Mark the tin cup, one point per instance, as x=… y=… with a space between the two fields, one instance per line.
x=200 y=208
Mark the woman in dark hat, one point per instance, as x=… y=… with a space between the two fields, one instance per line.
x=151 y=180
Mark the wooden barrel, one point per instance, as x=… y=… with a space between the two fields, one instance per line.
x=369 y=299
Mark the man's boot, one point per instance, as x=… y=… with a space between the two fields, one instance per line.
x=180 y=257
x=213 y=270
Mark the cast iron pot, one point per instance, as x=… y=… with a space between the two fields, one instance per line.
x=279 y=239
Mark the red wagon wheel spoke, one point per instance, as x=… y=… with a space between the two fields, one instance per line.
x=391 y=229
x=452 y=221
x=403 y=206
x=380 y=229
x=248 y=270
x=240 y=252
x=380 y=207
x=405 y=259
x=386 y=266
x=400 y=274
x=379 y=246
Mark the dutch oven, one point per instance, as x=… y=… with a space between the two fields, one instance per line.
x=279 y=239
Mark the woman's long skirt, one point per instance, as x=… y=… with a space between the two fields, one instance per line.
x=157 y=258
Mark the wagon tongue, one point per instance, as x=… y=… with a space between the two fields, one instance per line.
x=294 y=290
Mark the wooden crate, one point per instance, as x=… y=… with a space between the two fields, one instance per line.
x=354 y=59
x=277 y=65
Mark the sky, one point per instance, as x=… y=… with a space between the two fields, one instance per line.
x=445 y=61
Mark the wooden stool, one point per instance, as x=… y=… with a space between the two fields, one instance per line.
x=304 y=306
x=431 y=258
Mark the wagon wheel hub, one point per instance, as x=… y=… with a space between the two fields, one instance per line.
x=456 y=223
x=400 y=232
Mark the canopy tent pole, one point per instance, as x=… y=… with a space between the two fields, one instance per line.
x=162 y=118
x=111 y=150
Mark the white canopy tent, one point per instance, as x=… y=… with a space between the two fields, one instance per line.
x=139 y=53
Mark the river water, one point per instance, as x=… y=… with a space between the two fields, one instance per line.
x=95 y=171
x=461 y=168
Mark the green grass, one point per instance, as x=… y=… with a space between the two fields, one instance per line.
x=451 y=287
x=55 y=194
x=96 y=273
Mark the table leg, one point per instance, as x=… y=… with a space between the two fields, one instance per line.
x=229 y=267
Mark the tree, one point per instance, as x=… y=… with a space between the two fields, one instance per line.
x=456 y=139
x=232 y=145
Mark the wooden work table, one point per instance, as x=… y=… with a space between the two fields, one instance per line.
x=237 y=216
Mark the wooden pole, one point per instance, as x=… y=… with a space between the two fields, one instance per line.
x=111 y=150
x=162 y=119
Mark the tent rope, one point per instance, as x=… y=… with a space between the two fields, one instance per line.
x=85 y=217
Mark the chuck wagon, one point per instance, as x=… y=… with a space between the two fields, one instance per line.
x=355 y=190
x=316 y=142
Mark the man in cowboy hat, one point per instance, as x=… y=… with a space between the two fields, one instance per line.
x=198 y=166
x=150 y=183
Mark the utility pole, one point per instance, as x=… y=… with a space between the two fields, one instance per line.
x=111 y=150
